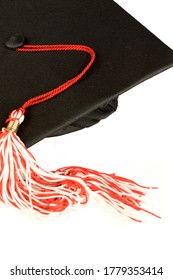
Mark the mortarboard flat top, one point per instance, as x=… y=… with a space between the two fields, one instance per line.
x=126 y=54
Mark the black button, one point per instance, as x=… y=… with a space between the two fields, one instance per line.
x=15 y=41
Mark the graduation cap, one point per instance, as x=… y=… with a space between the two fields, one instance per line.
x=63 y=66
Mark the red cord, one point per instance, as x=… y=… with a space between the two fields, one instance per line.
x=46 y=48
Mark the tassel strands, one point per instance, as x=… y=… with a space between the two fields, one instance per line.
x=123 y=195
x=24 y=184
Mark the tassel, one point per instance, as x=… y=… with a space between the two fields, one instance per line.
x=24 y=184
x=27 y=186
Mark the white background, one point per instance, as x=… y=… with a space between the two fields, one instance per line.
x=135 y=142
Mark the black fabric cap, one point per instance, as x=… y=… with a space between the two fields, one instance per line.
x=126 y=54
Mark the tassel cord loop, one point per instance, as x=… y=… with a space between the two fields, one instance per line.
x=47 y=48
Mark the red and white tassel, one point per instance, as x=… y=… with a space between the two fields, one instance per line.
x=24 y=184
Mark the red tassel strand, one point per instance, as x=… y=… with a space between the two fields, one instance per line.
x=26 y=185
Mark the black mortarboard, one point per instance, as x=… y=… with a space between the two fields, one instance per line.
x=126 y=54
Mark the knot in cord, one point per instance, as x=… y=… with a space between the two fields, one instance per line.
x=16 y=116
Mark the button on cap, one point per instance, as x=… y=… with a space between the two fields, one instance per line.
x=15 y=41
